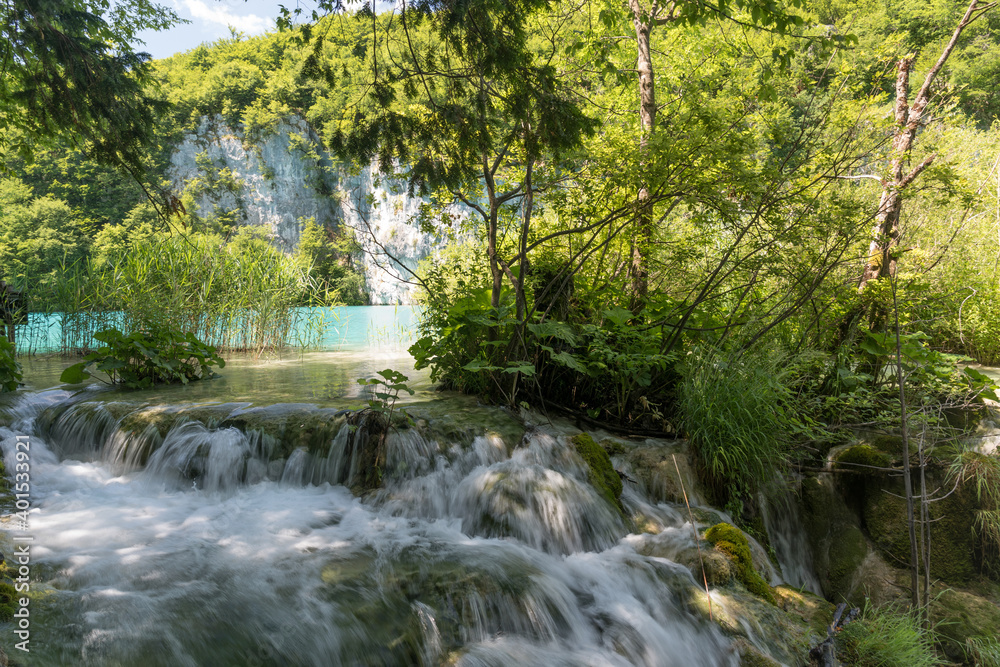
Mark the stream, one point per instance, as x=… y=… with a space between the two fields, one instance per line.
x=196 y=526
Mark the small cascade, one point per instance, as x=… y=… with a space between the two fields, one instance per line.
x=215 y=535
x=787 y=535
x=210 y=459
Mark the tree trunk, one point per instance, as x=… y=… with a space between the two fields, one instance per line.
x=907 y=480
x=909 y=118
x=643 y=22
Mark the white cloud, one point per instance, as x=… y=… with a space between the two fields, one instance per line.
x=215 y=13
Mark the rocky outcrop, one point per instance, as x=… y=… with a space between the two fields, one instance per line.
x=278 y=180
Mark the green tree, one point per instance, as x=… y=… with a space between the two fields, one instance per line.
x=72 y=73
x=38 y=235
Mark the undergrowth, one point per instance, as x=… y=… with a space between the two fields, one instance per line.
x=887 y=637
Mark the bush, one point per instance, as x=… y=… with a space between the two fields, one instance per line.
x=140 y=360
x=886 y=638
x=10 y=370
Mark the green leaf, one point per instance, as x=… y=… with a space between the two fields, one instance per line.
x=75 y=374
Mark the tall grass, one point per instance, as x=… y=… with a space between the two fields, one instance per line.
x=735 y=410
x=238 y=296
x=887 y=638
x=984 y=651
x=981 y=473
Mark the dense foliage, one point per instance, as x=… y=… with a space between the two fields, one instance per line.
x=10 y=369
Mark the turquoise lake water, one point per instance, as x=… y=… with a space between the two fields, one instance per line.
x=346 y=328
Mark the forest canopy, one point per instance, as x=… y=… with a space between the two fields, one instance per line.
x=650 y=192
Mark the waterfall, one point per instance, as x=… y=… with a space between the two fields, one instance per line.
x=787 y=535
x=203 y=535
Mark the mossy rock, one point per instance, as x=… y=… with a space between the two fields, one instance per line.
x=960 y=616
x=762 y=631
x=835 y=537
x=751 y=656
x=731 y=541
x=862 y=458
x=462 y=421
x=600 y=472
x=383 y=601
x=282 y=428
x=719 y=568
x=965 y=419
x=816 y=612
x=952 y=539
x=846 y=554
x=887 y=444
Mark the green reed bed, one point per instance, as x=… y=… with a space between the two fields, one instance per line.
x=243 y=295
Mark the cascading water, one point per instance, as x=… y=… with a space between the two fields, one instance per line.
x=191 y=534
x=788 y=538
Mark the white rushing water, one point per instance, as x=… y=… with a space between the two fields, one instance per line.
x=200 y=548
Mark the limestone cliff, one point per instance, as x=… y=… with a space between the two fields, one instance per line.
x=279 y=180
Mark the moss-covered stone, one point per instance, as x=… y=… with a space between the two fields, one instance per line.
x=282 y=428
x=750 y=655
x=959 y=616
x=759 y=627
x=952 y=538
x=887 y=444
x=731 y=541
x=846 y=554
x=816 y=612
x=862 y=458
x=835 y=537
x=384 y=602
x=600 y=472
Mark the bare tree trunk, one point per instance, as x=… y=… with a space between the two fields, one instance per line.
x=907 y=481
x=639 y=269
x=925 y=534
x=909 y=118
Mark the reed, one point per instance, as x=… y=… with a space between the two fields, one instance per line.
x=238 y=296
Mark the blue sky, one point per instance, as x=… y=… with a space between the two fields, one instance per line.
x=210 y=20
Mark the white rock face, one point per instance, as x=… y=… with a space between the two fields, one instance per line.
x=282 y=179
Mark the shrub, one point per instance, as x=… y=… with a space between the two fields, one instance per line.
x=886 y=638
x=10 y=370
x=142 y=359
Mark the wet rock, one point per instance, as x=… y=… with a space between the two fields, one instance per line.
x=763 y=631
x=275 y=468
x=835 y=537
x=750 y=655
x=812 y=609
x=600 y=472
x=652 y=466
x=731 y=541
x=280 y=429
